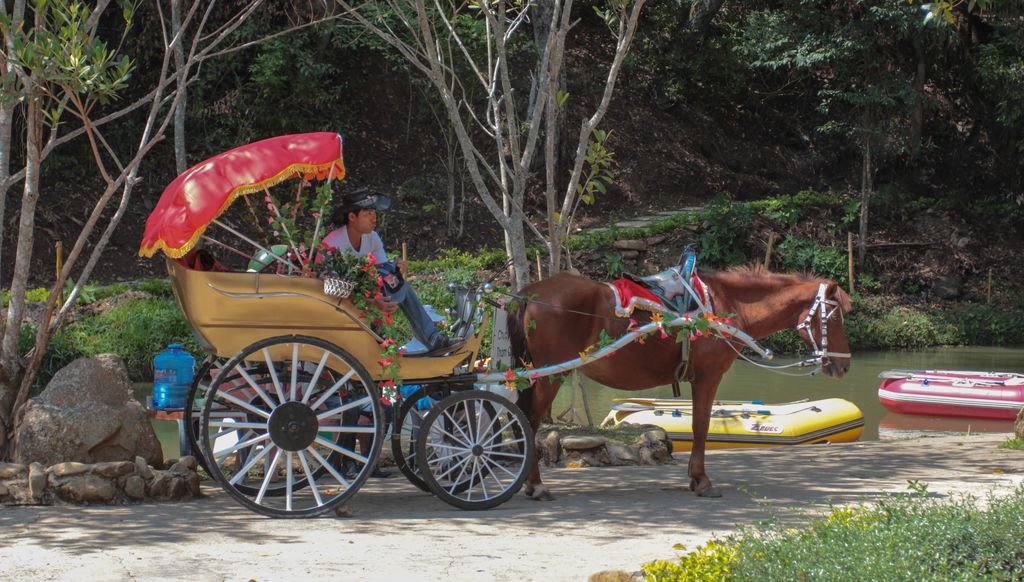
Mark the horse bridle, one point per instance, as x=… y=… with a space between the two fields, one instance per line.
x=826 y=308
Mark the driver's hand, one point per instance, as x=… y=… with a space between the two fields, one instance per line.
x=385 y=304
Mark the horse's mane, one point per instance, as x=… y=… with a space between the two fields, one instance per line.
x=757 y=270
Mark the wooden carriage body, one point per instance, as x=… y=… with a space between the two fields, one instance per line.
x=229 y=311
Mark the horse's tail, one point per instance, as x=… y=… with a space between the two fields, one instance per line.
x=520 y=350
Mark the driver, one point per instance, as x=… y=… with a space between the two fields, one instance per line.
x=356 y=218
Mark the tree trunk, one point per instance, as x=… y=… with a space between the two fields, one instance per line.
x=701 y=14
x=7 y=107
x=180 y=155
x=866 y=186
x=22 y=264
x=917 y=114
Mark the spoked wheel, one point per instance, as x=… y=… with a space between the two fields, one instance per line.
x=408 y=422
x=194 y=405
x=292 y=426
x=474 y=449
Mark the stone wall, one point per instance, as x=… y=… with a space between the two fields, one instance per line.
x=113 y=482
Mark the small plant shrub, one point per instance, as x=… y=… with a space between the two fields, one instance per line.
x=723 y=241
x=903 y=537
x=800 y=254
x=136 y=330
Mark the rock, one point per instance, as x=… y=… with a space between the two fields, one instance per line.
x=948 y=286
x=582 y=443
x=3 y=491
x=596 y=457
x=160 y=486
x=612 y=576
x=87 y=413
x=194 y=485
x=655 y=240
x=620 y=454
x=12 y=470
x=630 y=245
x=654 y=447
x=189 y=462
x=549 y=448
x=37 y=481
x=344 y=510
x=68 y=469
x=87 y=489
x=177 y=488
x=1019 y=427
x=135 y=487
x=143 y=469
x=113 y=469
x=185 y=466
x=629 y=254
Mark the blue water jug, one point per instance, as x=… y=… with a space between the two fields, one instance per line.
x=173 y=370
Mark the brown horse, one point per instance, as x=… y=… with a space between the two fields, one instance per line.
x=566 y=314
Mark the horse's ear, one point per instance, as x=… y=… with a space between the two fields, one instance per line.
x=835 y=291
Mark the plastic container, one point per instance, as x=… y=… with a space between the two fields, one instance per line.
x=173 y=370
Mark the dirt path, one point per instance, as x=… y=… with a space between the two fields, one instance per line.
x=609 y=518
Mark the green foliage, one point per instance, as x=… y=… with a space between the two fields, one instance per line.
x=62 y=51
x=1000 y=67
x=449 y=260
x=789 y=209
x=61 y=351
x=1015 y=444
x=723 y=241
x=875 y=325
x=136 y=330
x=800 y=254
x=983 y=324
x=597 y=168
x=614 y=264
x=786 y=341
x=902 y=537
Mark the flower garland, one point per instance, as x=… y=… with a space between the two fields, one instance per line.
x=369 y=290
x=315 y=258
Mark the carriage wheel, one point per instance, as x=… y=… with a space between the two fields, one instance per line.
x=194 y=407
x=474 y=449
x=292 y=426
x=407 y=429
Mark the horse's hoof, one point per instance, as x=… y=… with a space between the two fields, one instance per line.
x=710 y=493
x=540 y=493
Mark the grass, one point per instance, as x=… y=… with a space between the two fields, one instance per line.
x=1016 y=444
x=902 y=537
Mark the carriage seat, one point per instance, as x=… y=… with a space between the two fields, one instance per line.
x=669 y=286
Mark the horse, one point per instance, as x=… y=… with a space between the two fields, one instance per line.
x=565 y=314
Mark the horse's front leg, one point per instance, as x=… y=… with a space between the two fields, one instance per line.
x=544 y=391
x=704 y=390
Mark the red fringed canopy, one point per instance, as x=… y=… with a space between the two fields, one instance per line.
x=203 y=192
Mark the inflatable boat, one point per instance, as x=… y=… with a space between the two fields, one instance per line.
x=737 y=424
x=997 y=395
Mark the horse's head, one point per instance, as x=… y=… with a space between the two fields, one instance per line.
x=823 y=329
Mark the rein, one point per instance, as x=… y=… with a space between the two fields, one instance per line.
x=826 y=308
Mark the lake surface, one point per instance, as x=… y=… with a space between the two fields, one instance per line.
x=747 y=382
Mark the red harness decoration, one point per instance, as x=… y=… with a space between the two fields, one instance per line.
x=629 y=296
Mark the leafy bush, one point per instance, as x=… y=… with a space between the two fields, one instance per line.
x=136 y=330
x=800 y=254
x=723 y=241
x=61 y=351
x=910 y=537
x=982 y=324
x=789 y=209
x=884 y=327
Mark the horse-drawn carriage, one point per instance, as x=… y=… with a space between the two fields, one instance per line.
x=286 y=413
